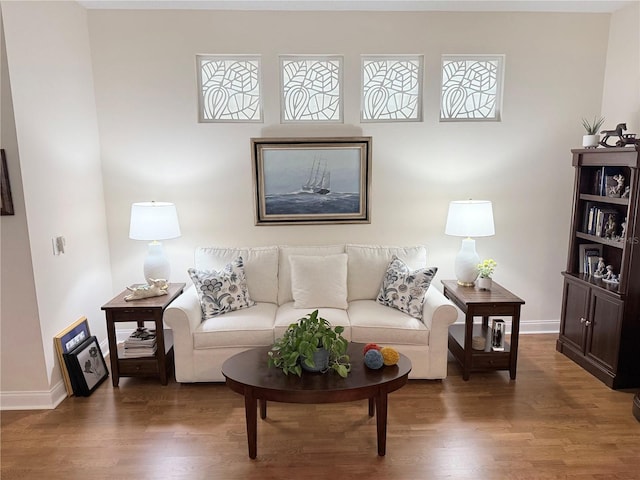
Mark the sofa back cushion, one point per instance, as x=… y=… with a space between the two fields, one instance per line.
x=284 y=271
x=367 y=265
x=319 y=281
x=260 y=267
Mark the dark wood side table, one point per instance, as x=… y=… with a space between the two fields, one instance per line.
x=140 y=311
x=482 y=303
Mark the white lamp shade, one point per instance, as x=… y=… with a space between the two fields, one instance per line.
x=470 y=218
x=154 y=221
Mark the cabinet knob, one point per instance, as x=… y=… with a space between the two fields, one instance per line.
x=587 y=323
x=583 y=320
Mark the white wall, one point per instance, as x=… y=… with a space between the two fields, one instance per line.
x=621 y=96
x=19 y=320
x=57 y=138
x=153 y=147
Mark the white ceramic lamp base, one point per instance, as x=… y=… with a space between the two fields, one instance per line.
x=156 y=264
x=467 y=260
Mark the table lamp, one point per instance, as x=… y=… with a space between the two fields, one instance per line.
x=469 y=218
x=153 y=221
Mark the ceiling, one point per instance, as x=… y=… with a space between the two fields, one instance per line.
x=589 y=6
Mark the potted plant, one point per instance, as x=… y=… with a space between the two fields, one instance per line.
x=592 y=138
x=311 y=344
x=485 y=270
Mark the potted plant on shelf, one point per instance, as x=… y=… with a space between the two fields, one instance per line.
x=311 y=344
x=592 y=138
x=485 y=270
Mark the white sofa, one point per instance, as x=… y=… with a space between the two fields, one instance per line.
x=200 y=347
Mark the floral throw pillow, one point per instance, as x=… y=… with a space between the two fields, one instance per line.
x=404 y=289
x=222 y=291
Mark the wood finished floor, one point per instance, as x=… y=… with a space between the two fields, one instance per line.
x=554 y=422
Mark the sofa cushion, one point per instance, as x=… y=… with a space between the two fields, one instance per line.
x=222 y=291
x=319 y=281
x=284 y=271
x=404 y=289
x=367 y=265
x=260 y=267
x=375 y=323
x=288 y=314
x=252 y=327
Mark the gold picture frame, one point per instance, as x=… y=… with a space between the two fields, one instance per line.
x=65 y=341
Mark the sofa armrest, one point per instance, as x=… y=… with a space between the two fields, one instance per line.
x=437 y=314
x=183 y=315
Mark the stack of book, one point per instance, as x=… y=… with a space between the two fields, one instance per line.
x=141 y=343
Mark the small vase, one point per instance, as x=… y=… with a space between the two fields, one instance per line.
x=320 y=359
x=590 y=141
x=484 y=283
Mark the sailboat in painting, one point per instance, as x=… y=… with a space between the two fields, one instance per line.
x=318 y=182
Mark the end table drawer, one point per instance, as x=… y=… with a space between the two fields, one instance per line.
x=499 y=360
x=138 y=366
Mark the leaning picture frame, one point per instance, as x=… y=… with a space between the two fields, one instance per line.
x=87 y=367
x=307 y=181
x=67 y=340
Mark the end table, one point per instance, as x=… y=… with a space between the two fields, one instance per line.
x=140 y=311
x=483 y=303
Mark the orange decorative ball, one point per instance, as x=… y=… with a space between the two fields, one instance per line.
x=370 y=346
x=389 y=355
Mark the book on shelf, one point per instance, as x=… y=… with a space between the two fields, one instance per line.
x=587 y=251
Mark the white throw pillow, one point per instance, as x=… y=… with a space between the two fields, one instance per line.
x=319 y=281
x=222 y=291
x=405 y=289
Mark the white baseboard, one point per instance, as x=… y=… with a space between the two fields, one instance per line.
x=34 y=400
x=40 y=400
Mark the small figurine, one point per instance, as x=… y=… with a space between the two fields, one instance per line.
x=600 y=269
x=623 y=234
x=155 y=288
x=609 y=276
x=610 y=228
x=627 y=192
x=621 y=127
x=624 y=139
x=616 y=190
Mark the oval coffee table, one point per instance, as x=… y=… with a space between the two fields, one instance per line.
x=248 y=374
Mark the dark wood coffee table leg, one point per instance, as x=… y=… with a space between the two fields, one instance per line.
x=381 y=422
x=263 y=409
x=251 y=414
x=372 y=406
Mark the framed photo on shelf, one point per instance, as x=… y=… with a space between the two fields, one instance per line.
x=87 y=367
x=311 y=180
x=66 y=341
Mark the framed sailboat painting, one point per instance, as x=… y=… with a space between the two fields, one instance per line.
x=311 y=180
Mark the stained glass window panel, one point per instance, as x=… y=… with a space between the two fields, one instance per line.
x=311 y=89
x=471 y=87
x=229 y=88
x=391 y=88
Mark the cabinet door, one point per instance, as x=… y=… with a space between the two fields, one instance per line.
x=574 y=312
x=603 y=334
